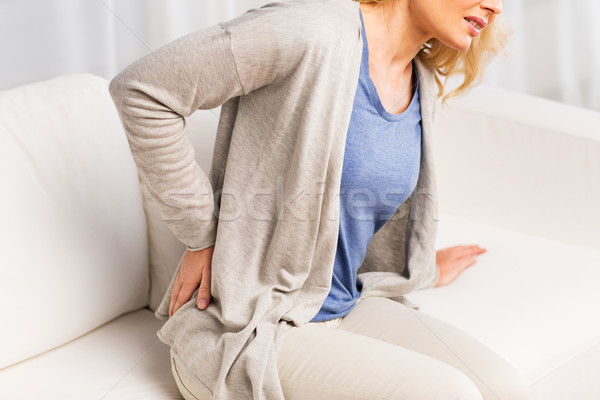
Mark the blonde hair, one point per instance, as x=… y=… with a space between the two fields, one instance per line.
x=446 y=61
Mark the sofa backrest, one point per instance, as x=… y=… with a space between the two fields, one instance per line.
x=499 y=156
x=73 y=235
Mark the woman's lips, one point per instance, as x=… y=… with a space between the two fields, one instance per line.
x=475 y=25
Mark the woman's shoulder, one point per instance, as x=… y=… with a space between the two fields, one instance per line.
x=270 y=43
x=309 y=22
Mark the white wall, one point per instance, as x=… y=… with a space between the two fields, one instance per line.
x=40 y=39
x=554 y=51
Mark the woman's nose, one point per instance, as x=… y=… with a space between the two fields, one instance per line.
x=492 y=6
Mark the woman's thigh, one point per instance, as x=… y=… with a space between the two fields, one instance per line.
x=400 y=325
x=318 y=362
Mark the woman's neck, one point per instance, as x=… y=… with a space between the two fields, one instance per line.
x=394 y=39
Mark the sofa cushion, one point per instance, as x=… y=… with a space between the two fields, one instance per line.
x=533 y=300
x=122 y=359
x=72 y=228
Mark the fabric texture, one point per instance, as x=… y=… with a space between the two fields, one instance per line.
x=380 y=170
x=285 y=75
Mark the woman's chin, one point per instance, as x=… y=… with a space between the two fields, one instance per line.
x=462 y=44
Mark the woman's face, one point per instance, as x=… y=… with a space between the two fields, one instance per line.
x=454 y=22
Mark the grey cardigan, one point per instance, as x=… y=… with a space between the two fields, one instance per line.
x=285 y=76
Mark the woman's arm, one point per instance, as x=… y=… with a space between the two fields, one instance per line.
x=152 y=97
x=201 y=70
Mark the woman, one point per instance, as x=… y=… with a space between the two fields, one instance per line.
x=286 y=290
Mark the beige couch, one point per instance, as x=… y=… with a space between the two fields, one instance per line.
x=85 y=257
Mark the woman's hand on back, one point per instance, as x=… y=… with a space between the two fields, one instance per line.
x=454 y=260
x=195 y=271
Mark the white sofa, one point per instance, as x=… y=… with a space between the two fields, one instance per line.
x=85 y=257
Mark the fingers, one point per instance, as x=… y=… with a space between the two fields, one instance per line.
x=468 y=249
x=184 y=284
x=185 y=294
x=175 y=294
x=466 y=256
x=195 y=273
x=204 y=291
x=458 y=252
x=453 y=260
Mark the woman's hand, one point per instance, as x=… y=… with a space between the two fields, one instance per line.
x=454 y=260
x=195 y=271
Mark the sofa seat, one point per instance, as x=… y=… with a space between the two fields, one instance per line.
x=515 y=300
x=532 y=300
x=122 y=359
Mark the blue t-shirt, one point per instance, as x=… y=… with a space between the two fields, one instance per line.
x=380 y=171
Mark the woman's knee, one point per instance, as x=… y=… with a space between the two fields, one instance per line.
x=433 y=379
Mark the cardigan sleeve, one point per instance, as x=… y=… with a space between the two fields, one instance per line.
x=201 y=70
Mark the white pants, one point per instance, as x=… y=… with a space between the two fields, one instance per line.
x=384 y=350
